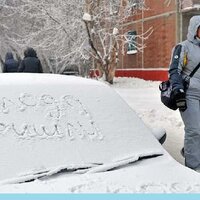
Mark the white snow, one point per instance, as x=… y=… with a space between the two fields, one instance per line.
x=50 y=101
x=144 y=97
x=115 y=31
x=87 y=17
x=62 y=123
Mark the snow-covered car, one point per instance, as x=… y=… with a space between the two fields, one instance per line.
x=66 y=134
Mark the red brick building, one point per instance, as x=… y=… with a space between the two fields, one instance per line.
x=169 y=21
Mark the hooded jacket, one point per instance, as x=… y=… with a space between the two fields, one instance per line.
x=30 y=63
x=185 y=57
x=10 y=65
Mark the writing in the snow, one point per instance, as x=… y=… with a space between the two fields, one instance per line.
x=44 y=116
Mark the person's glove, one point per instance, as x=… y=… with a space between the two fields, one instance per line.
x=180 y=99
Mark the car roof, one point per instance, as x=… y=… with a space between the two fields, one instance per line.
x=49 y=120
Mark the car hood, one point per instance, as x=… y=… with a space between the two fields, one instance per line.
x=155 y=175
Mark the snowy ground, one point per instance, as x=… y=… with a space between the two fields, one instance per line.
x=144 y=97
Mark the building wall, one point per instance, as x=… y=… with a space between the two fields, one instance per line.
x=186 y=3
x=170 y=26
x=157 y=53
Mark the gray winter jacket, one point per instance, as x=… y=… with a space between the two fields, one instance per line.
x=185 y=57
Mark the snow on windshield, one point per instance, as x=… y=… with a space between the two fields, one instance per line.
x=49 y=120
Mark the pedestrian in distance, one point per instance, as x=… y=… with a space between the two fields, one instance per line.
x=10 y=65
x=30 y=63
x=185 y=58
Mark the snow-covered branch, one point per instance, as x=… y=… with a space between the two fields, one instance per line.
x=67 y=32
x=54 y=28
x=103 y=20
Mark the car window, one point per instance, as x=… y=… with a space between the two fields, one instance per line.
x=48 y=121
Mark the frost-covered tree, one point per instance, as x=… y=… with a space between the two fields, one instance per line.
x=54 y=28
x=103 y=20
x=68 y=32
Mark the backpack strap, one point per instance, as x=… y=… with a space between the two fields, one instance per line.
x=194 y=71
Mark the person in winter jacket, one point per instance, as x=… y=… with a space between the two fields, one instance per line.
x=10 y=64
x=185 y=57
x=30 y=63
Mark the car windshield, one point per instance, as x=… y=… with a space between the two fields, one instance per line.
x=58 y=122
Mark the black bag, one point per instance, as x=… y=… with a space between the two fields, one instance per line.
x=167 y=96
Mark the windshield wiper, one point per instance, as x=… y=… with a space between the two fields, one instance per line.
x=121 y=163
x=31 y=176
x=79 y=169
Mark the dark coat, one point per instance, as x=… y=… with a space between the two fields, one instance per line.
x=30 y=63
x=10 y=64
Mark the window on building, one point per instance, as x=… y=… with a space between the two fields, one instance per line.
x=131 y=36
